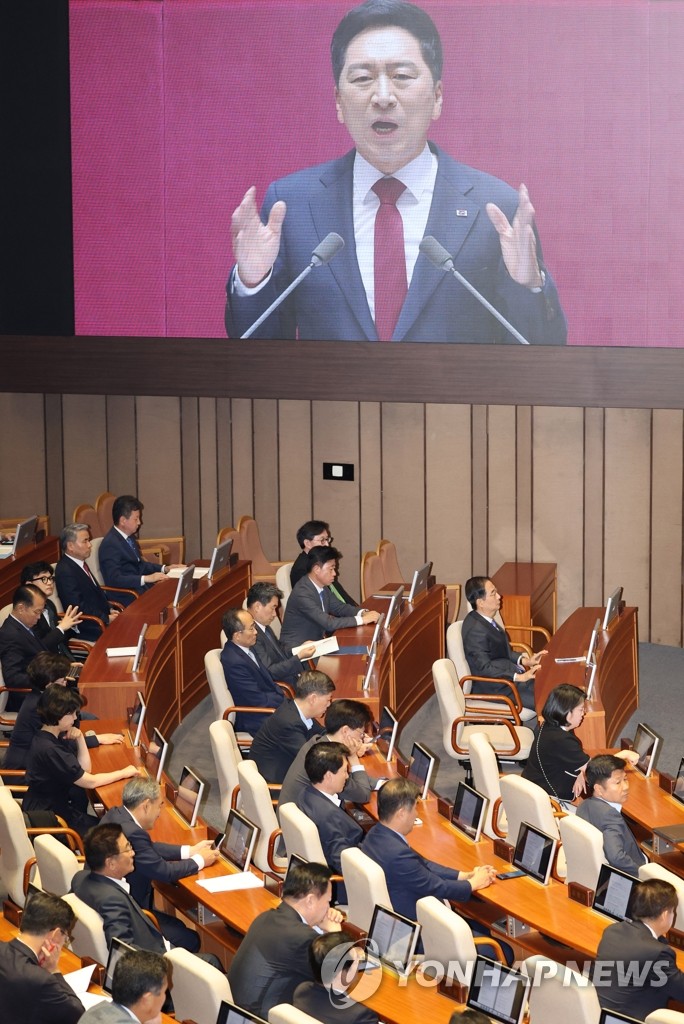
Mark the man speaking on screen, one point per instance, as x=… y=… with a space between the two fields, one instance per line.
x=383 y=198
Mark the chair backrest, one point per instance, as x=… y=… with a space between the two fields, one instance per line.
x=198 y=987
x=387 y=553
x=485 y=769
x=583 y=848
x=454 y=643
x=372 y=575
x=286 y=1014
x=665 y=1017
x=560 y=994
x=15 y=848
x=656 y=871
x=282 y=578
x=526 y=801
x=449 y=698
x=366 y=885
x=57 y=864
x=89 y=935
x=445 y=935
x=4 y=612
x=252 y=549
x=255 y=803
x=300 y=834
x=218 y=688
x=94 y=560
x=227 y=757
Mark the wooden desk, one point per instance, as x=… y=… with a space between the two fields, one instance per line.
x=528 y=590
x=172 y=673
x=616 y=687
x=10 y=568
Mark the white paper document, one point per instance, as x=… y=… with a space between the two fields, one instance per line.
x=198 y=574
x=230 y=883
x=327 y=646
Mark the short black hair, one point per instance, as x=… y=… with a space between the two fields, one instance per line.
x=600 y=768
x=475 y=590
x=323 y=945
x=137 y=973
x=125 y=505
x=232 y=623
x=46 y=667
x=560 y=702
x=57 y=701
x=29 y=572
x=43 y=912
x=263 y=592
x=100 y=843
x=352 y=713
x=399 y=793
x=388 y=14
x=26 y=595
x=321 y=555
x=302 y=879
x=324 y=757
x=313 y=681
x=651 y=897
x=310 y=530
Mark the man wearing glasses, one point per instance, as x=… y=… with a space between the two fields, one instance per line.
x=41 y=575
x=249 y=681
x=316 y=533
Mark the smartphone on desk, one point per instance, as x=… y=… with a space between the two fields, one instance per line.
x=504 y=875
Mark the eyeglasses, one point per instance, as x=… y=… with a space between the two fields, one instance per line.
x=42 y=579
x=323 y=541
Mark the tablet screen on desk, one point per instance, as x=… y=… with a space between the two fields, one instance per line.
x=394 y=606
x=678 y=791
x=613 y=893
x=117 y=949
x=136 y=720
x=394 y=937
x=232 y=1014
x=610 y=1017
x=469 y=811
x=420 y=581
x=220 y=557
x=189 y=796
x=420 y=770
x=498 y=991
x=239 y=841
x=646 y=744
x=387 y=733
x=534 y=852
x=155 y=755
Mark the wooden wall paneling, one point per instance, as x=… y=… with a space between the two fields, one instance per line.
x=122 y=470
x=666 y=528
x=52 y=472
x=557 y=500
x=480 y=565
x=84 y=426
x=189 y=481
x=594 y=500
x=448 y=491
x=294 y=474
x=266 y=491
x=501 y=485
x=243 y=458
x=22 y=456
x=224 y=462
x=627 y=518
x=523 y=475
x=160 y=465
x=208 y=477
x=403 y=481
x=335 y=438
x=370 y=476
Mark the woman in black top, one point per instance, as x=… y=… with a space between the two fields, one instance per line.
x=557 y=760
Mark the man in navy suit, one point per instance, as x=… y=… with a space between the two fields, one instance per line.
x=121 y=561
x=289 y=727
x=263 y=599
x=387 y=66
x=76 y=584
x=328 y=770
x=249 y=681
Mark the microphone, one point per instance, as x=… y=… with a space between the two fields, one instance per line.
x=322 y=254
x=441 y=259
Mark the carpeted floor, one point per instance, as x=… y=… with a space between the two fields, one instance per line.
x=661 y=704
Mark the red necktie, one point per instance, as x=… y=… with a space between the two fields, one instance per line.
x=390 y=260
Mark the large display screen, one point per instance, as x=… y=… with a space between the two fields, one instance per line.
x=180 y=106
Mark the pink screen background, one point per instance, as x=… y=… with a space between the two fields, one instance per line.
x=178 y=106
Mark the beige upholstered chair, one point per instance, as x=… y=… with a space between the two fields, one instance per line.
x=198 y=988
x=17 y=860
x=526 y=801
x=57 y=864
x=486 y=781
x=256 y=804
x=227 y=757
x=366 y=885
x=456 y=654
x=286 y=1014
x=510 y=740
x=447 y=937
x=657 y=871
x=387 y=553
x=250 y=546
x=583 y=849
x=300 y=834
x=373 y=576
x=88 y=936
x=665 y=1017
x=282 y=579
x=559 y=994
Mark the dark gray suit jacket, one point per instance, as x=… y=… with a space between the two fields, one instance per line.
x=640 y=971
x=620 y=848
x=123 y=918
x=309 y=618
x=357 y=789
x=277 y=657
x=276 y=744
x=29 y=994
x=314 y=999
x=337 y=831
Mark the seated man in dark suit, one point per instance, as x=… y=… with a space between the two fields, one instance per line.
x=327 y=768
x=635 y=971
x=262 y=603
x=76 y=585
x=249 y=681
x=607 y=791
x=272 y=959
x=32 y=990
x=157 y=862
x=42 y=576
x=347 y=722
x=312 y=611
x=121 y=561
x=487 y=649
x=140 y=985
x=19 y=642
x=313 y=534
x=334 y=964
x=291 y=725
